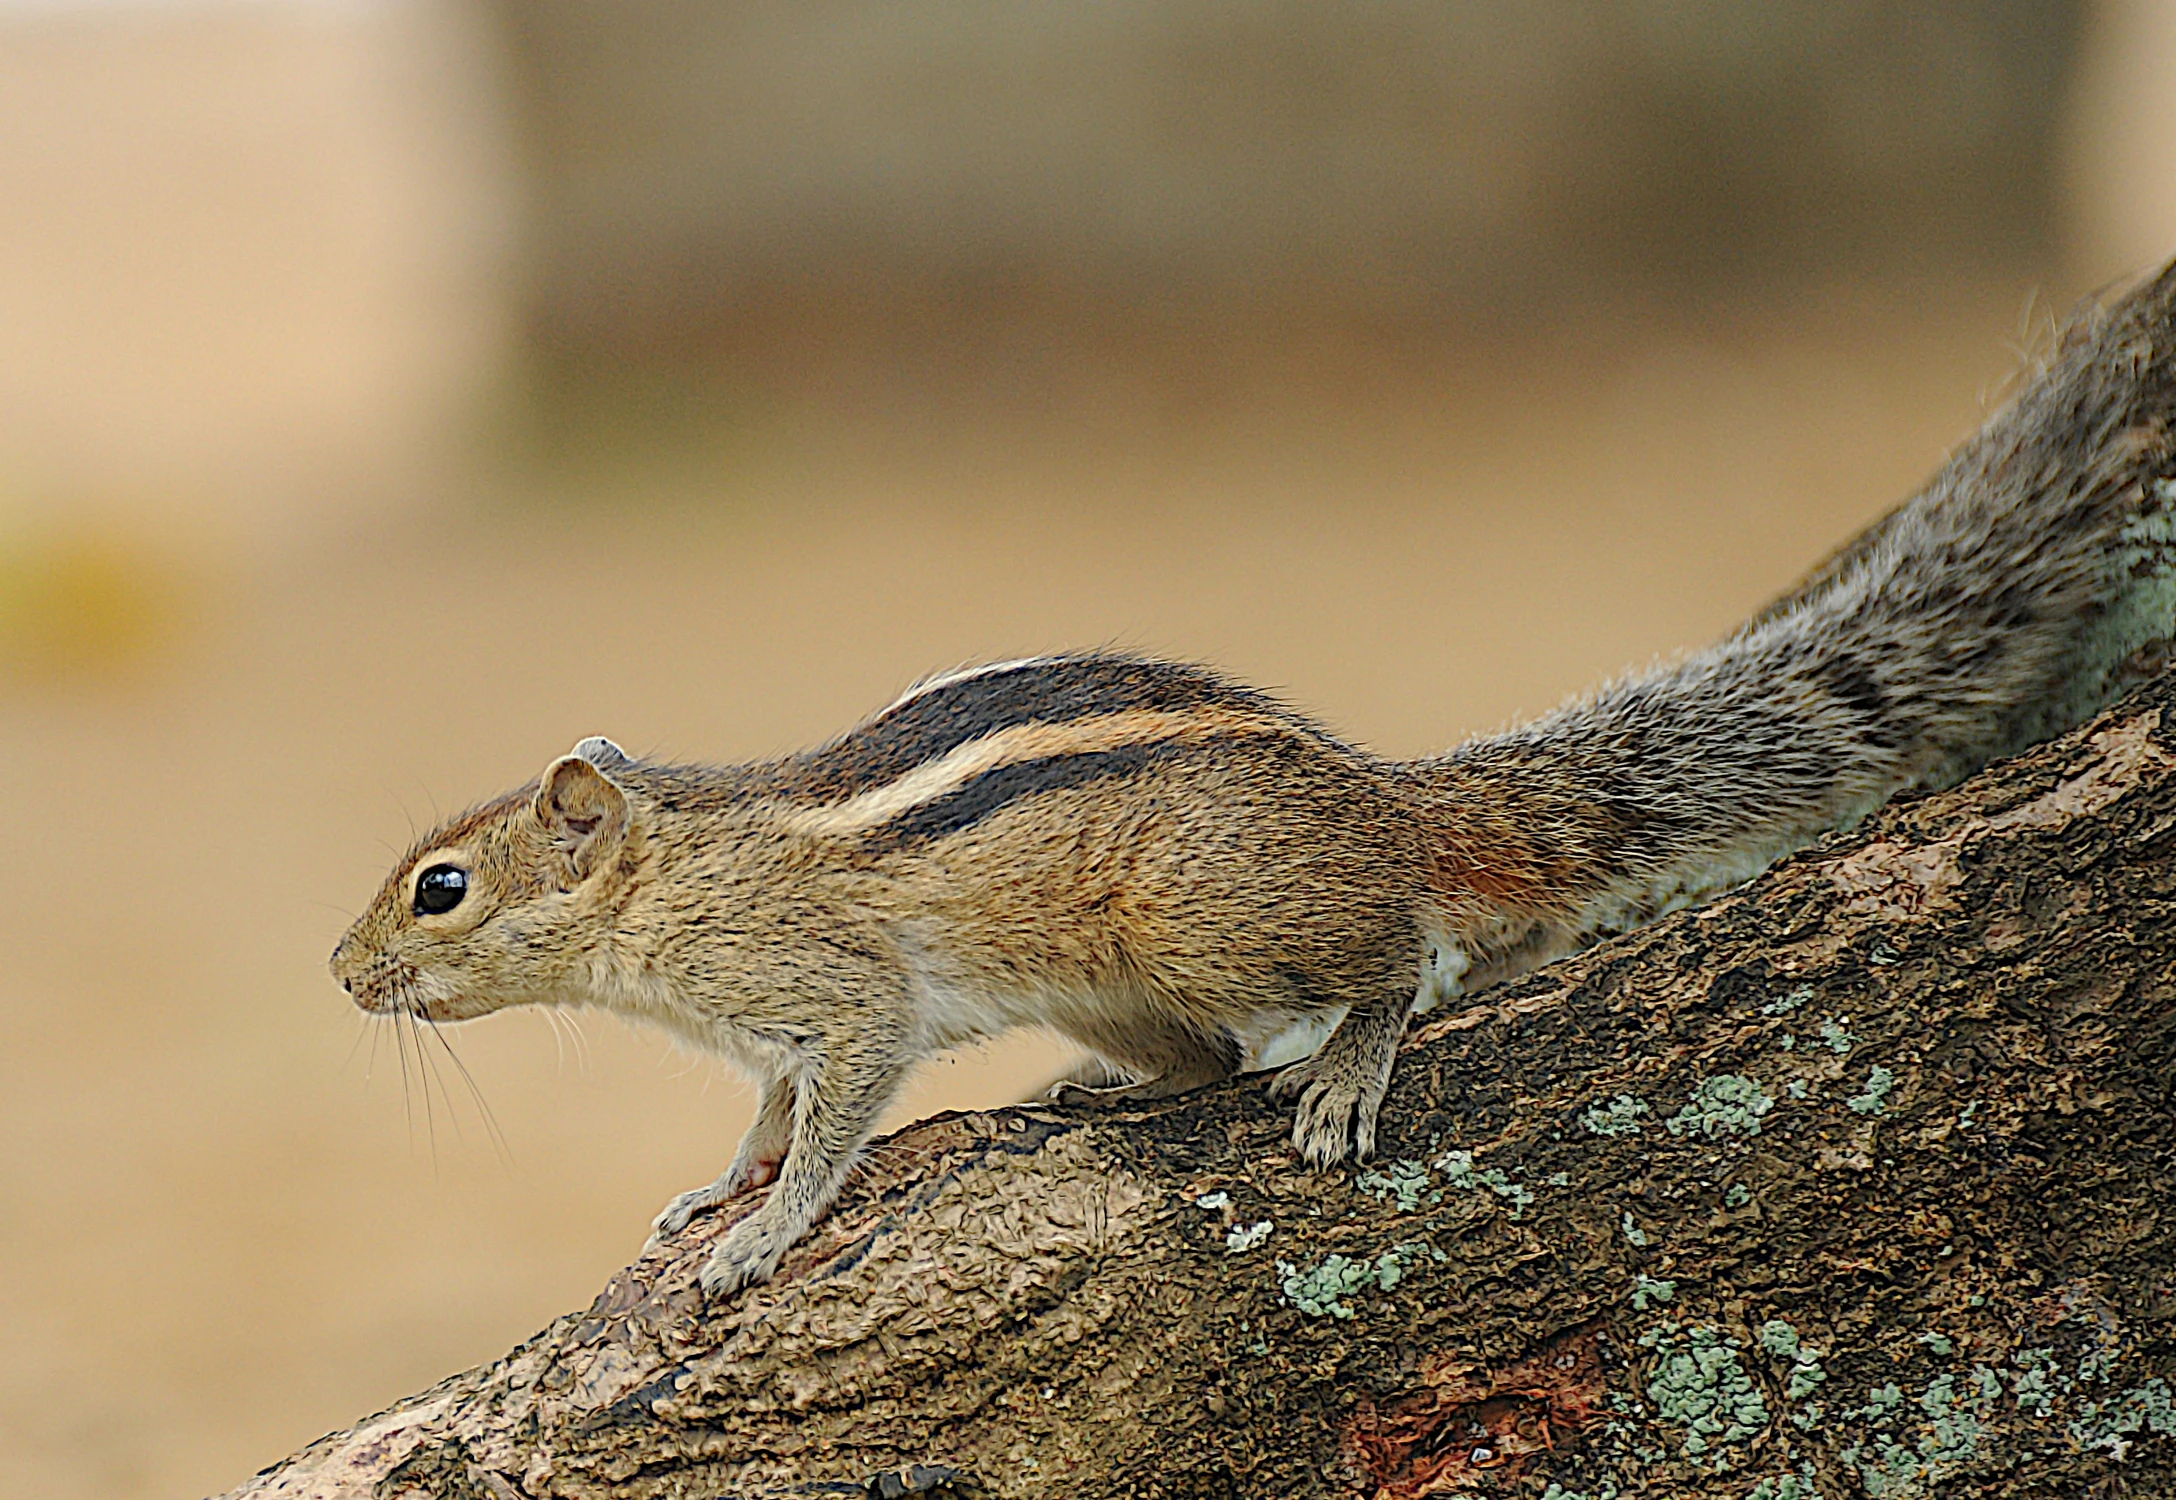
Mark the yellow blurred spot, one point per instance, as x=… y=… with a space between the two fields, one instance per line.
x=83 y=602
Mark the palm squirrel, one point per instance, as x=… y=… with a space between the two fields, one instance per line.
x=1173 y=870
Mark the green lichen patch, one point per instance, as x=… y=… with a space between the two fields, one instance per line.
x=1634 y=1236
x=2111 y=1426
x=1458 y=1170
x=1699 y=1384
x=1803 y=1485
x=1875 y=1096
x=1880 y=1402
x=1893 y=1471
x=1785 y=1003
x=1242 y=1238
x=1737 y=1195
x=1213 y=1201
x=2035 y=1384
x=1838 y=1039
x=1803 y=1374
x=1405 y=1182
x=1620 y=1116
x=1956 y=1421
x=1952 y=1432
x=1726 y=1104
x=1646 y=1290
x=1911 y=1444
x=1778 y=1338
x=1322 y=1291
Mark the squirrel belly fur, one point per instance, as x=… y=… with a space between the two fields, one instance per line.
x=1174 y=870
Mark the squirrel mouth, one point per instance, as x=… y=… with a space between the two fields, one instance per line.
x=380 y=1003
x=392 y=990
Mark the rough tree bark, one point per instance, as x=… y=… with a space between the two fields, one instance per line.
x=1856 y=1181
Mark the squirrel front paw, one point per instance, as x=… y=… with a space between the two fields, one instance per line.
x=683 y=1208
x=737 y=1179
x=749 y=1254
x=1337 y=1107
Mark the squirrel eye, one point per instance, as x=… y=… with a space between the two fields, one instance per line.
x=440 y=889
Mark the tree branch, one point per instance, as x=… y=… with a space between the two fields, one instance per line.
x=1853 y=1181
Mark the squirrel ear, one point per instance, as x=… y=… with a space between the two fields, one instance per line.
x=584 y=813
x=599 y=751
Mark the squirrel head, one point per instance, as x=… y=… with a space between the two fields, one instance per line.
x=501 y=905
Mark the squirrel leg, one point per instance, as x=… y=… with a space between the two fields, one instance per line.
x=757 y=1161
x=1086 y=1078
x=1163 y=1060
x=1341 y=1087
x=837 y=1100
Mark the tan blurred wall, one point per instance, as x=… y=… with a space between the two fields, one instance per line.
x=1405 y=161
x=2120 y=191
x=260 y=261
x=252 y=254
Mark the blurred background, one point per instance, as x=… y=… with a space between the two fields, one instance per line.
x=393 y=392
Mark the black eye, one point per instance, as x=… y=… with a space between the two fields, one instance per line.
x=440 y=889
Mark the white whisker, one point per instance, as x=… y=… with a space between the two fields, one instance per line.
x=559 y=1038
x=407 y=1093
x=497 y=1136
x=581 y=1040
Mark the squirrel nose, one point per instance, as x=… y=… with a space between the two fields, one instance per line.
x=348 y=985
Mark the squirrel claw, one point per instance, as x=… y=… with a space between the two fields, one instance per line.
x=1072 y=1091
x=749 y=1254
x=1335 y=1119
x=737 y=1180
x=683 y=1208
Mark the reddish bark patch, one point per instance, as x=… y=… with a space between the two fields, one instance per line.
x=1464 y=1424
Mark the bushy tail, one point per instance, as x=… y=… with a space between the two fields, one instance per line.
x=2027 y=586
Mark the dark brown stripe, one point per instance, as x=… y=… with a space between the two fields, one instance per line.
x=993 y=790
x=1055 y=691
x=1850 y=683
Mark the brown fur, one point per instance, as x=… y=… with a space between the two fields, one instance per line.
x=1172 y=869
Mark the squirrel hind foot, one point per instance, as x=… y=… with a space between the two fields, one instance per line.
x=1149 y=1063
x=1072 y=1091
x=1340 y=1089
x=1088 y=1076
x=1336 y=1113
